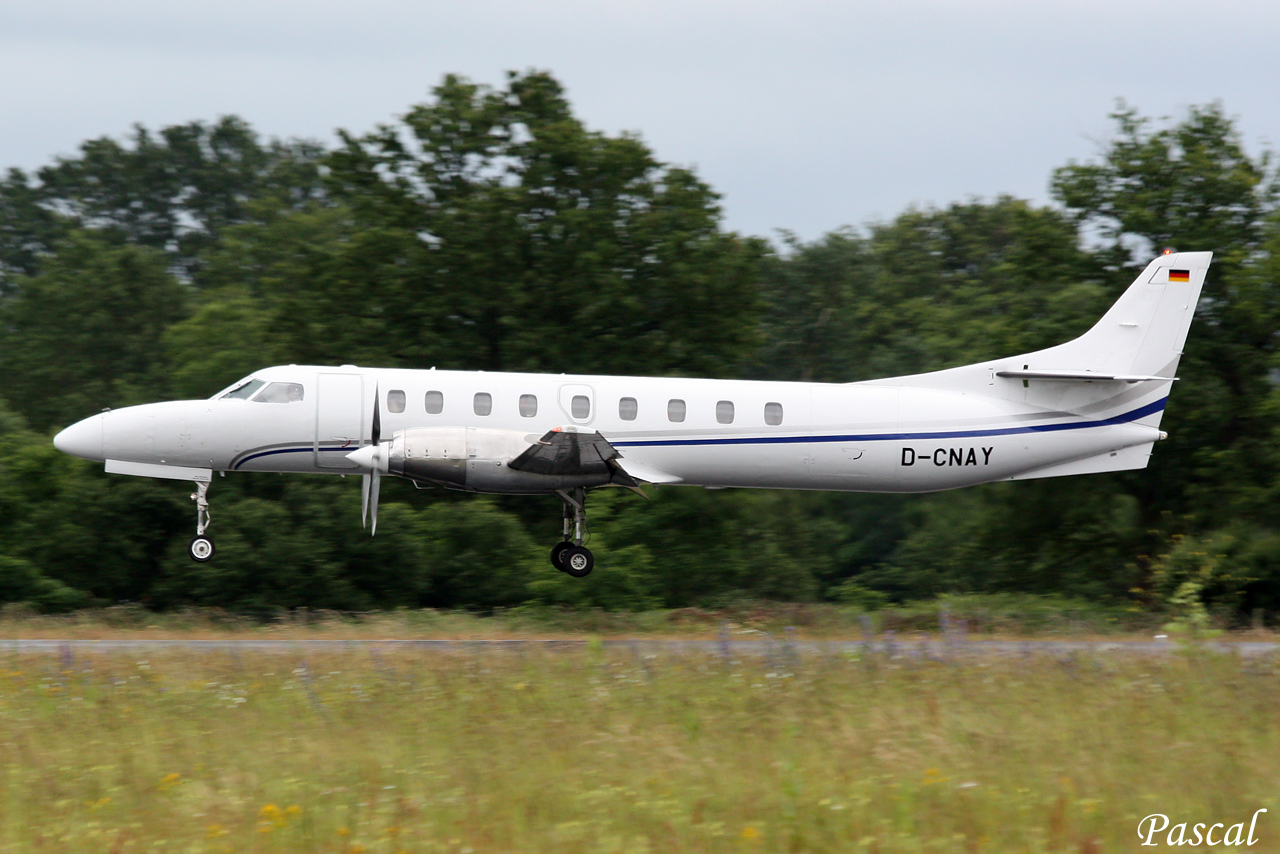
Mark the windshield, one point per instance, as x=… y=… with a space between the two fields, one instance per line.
x=280 y=393
x=245 y=390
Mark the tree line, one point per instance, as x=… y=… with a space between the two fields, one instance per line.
x=489 y=229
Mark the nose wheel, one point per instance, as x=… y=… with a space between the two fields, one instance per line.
x=571 y=556
x=201 y=547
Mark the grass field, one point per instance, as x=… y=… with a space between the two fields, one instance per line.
x=1008 y=615
x=602 y=751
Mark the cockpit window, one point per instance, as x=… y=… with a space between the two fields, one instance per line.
x=245 y=390
x=280 y=393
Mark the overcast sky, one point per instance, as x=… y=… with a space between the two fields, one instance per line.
x=805 y=114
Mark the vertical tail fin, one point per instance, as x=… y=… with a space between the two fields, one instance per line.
x=1121 y=369
x=1144 y=332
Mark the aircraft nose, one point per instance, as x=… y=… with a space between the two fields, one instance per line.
x=82 y=439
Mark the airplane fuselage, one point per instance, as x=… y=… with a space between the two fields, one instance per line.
x=866 y=437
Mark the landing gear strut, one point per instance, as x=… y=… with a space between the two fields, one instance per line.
x=570 y=556
x=201 y=548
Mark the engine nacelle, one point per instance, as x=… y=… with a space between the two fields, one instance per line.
x=477 y=460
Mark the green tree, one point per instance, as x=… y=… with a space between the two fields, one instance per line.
x=1191 y=184
x=495 y=231
x=85 y=332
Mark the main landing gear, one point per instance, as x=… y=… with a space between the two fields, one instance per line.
x=201 y=548
x=570 y=556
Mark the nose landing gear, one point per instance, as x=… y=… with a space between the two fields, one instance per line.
x=570 y=556
x=201 y=548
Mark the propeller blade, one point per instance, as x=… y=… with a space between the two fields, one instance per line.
x=364 y=500
x=372 y=457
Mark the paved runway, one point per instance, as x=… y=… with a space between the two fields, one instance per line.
x=891 y=647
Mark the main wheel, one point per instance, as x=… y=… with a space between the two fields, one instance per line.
x=201 y=549
x=577 y=561
x=557 y=554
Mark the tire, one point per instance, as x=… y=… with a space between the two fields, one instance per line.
x=577 y=561
x=201 y=549
x=557 y=554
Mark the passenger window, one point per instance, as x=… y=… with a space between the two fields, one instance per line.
x=395 y=400
x=580 y=407
x=280 y=393
x=627 y=409
x=435 y=402
x=528 y=405
x=675 y=410
x=724 y=412
x=245 y=391
x=482 y=403
x=773 y=414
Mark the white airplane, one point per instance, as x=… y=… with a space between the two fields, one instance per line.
x=1090 y=405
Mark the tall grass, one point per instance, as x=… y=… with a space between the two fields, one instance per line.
x=998 y=614
x=598 y=751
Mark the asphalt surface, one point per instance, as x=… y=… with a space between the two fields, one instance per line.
x=766 y=646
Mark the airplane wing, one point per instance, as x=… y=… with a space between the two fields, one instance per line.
x=566 y=452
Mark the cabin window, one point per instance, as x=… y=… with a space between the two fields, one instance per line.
x=395 y=400
x=675 y=410
x=724 y=412
x=528 y=405
x=435 y=402
x=580 y=407
x=280 y=393
x=773 y=414
x=627 y=409
x=245 y=391
x=482 y=403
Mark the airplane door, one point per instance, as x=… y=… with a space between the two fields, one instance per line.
x=339 y=419
x=578 y=402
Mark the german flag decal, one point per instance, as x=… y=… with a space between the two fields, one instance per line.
x=1179 y=275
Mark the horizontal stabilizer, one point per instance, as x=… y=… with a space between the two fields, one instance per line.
x=1081 y=376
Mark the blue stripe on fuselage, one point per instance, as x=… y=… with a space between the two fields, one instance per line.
x=307 y=450
x=1125 y=418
